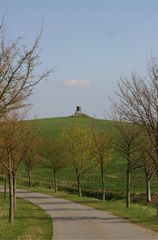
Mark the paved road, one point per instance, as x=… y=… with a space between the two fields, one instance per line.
x=74 y=221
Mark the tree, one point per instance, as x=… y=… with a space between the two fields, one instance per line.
x=18 y=76
x=127 y=143
x=2 y=171
x=78 y=140
x=18 y=65
x=31 y=150
x=138 y=103
x=54 y=156
x=11 y=144
x=148 y=166
x=101 y=150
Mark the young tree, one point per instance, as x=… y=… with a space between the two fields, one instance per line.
x=127 y=143
x=54 y=156
x=2 y=171
x=101 y=151
x=11 y=144
x=138 y=103
x=78 y=140
x=148 y=166
x=18 y=76
x=31 y=150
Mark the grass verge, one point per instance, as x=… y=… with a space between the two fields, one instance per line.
x=31 y=222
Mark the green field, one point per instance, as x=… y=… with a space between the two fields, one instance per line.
x=31 y=222
x=116 y=173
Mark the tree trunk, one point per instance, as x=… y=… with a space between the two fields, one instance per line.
x=128 y=193
x=79 y=186
x=148 y=190
x=5 y=187
x=29 y=179
x=103 y=186
x=55 y=182
x=14 y=192
x=11 y=209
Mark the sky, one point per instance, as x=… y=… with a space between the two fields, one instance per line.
x=90 y=44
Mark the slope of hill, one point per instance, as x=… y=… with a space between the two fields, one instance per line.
x=116 y=173
x=51 y=127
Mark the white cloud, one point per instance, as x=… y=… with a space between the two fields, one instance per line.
x=77 y=83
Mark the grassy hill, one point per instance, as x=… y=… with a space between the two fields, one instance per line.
x=51 y=127
x=116 y=174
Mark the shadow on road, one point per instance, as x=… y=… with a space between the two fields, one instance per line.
x=68 y=209
x=33 y=197
x=105 y=220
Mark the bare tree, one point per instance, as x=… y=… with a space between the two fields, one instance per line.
x=18 y=65
x=101 y=151
x=127 y=143
x=11 y=144
x=148 y=165
x=54 y=156
x=18 y=76
x=138 y=103
x=31 y=150
x=3 y=172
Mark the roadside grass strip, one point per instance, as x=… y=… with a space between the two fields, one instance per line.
x=31 y=222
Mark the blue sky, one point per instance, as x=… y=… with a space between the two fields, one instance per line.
x=91 y=43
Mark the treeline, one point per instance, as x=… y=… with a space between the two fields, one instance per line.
x=86 y=148
x=83 y=147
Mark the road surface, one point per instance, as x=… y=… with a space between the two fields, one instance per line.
x=74 y=221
